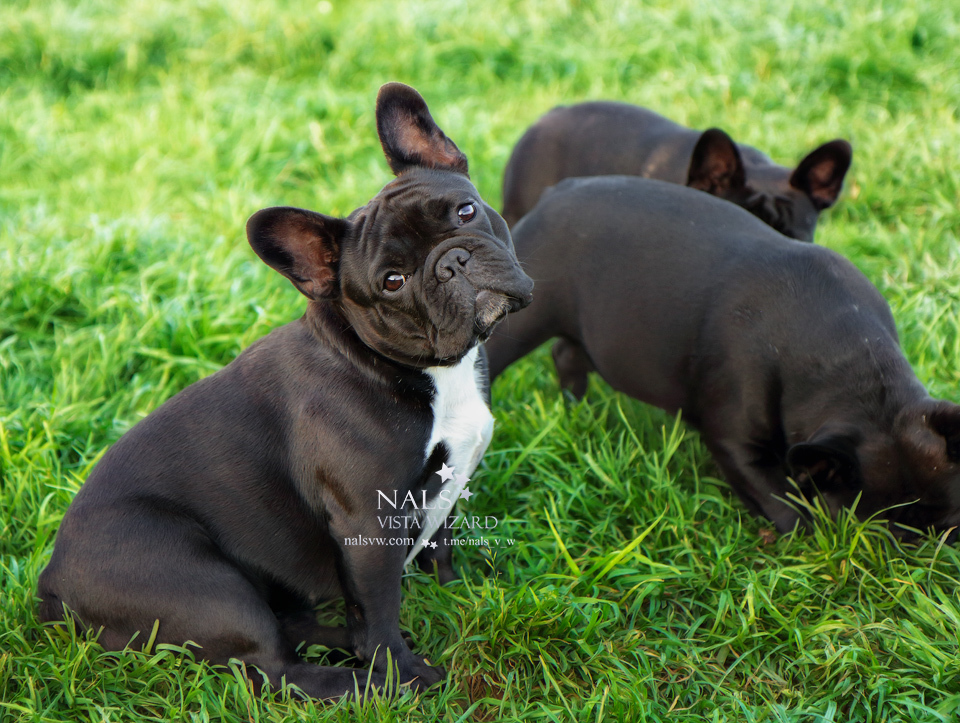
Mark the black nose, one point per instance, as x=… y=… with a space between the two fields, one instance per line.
x=453 y=262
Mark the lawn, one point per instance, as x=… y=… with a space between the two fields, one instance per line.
x=137 y=137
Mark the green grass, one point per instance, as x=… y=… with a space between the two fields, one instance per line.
x=137 y=137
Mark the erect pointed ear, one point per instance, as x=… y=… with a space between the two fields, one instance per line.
x=302 y=245
x=828 y=459
x=820 y=174
x=945 y=421
x=716 y=166
x=409 y=136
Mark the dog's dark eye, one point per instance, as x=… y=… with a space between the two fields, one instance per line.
x=466 y=212
x=394 y=282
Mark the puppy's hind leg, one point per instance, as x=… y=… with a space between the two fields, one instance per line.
x=573 y=366
x=267 y=645
x=301 y=627
x=230 y=618
x=236 y=622
x=324 y=682
x=198 y=596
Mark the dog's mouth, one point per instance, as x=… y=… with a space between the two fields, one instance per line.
x=909 y=522
x=491 y=308
x=904 y=532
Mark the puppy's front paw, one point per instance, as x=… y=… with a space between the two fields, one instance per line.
x=411 y=669
x=419 y=674
x=445 y=572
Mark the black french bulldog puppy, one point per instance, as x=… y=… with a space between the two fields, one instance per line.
x=233 y=509
x=605 y=138
x=781 y=353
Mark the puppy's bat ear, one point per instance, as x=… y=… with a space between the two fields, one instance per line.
x=302 y=245
x=716 y=166
x=820 y=175
x=828 y=459
x=409 y=136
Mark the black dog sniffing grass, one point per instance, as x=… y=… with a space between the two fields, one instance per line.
x=234 y=508
x=605 y=138
x=781 y=353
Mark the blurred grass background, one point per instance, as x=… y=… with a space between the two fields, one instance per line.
x=137 y=137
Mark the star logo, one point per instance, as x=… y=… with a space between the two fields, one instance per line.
x=432 y=545
x=462 y=480
x=466 y=494
x=446 y=473
x=425 y=543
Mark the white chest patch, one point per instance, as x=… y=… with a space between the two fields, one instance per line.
x=463 y=423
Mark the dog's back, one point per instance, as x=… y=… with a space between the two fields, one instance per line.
x=636 y=268
x=600 y=138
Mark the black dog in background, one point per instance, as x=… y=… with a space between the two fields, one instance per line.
x=781 y=353
x=243 y=501
x=605 y=138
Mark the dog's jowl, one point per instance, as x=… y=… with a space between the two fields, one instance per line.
x=233 y=509
x=605 y=138
x=781 y=353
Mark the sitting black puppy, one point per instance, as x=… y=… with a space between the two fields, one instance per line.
x=238 y=505
x=781 y=353
x=604 y=138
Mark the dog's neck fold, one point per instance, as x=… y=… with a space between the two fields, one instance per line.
x=326 y=321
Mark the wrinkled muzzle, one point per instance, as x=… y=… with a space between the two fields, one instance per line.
x=479 y=283
x=492 y=307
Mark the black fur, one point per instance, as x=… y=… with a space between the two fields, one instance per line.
x=225 y=514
